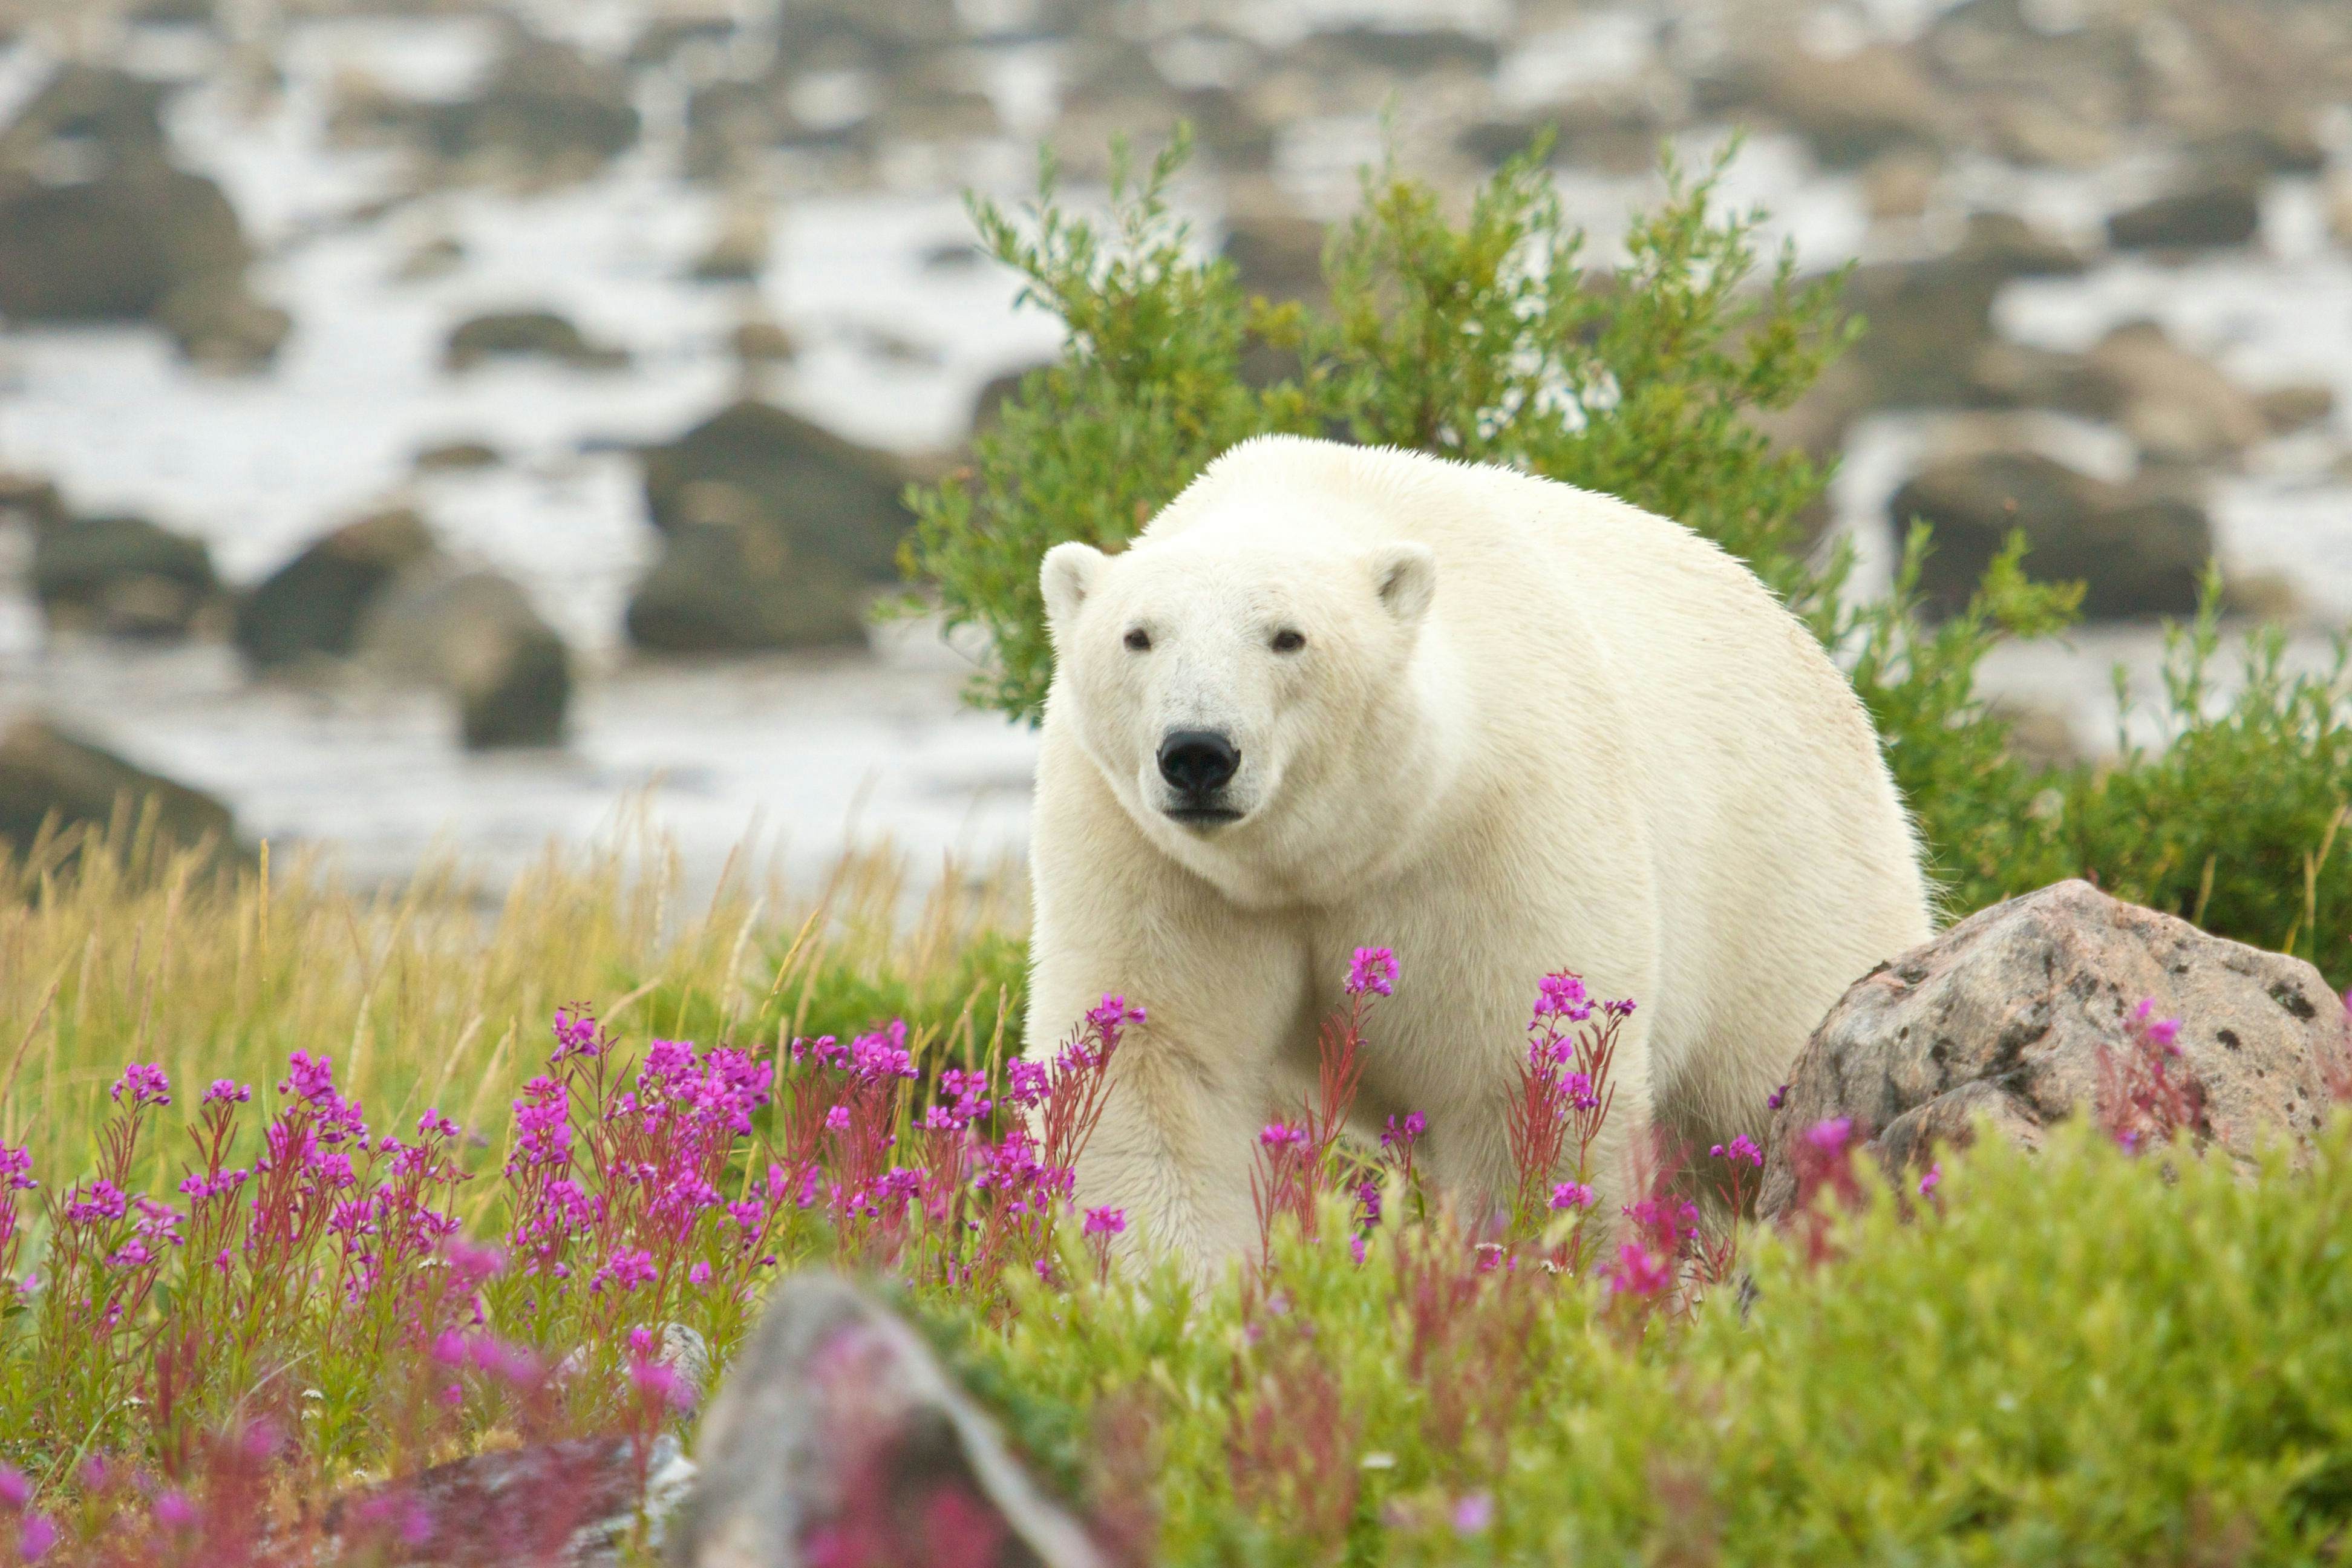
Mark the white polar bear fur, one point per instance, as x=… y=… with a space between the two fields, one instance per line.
x=1532 y=728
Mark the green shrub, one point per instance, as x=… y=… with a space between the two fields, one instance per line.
x=2074 y=1357
x=1488 y=341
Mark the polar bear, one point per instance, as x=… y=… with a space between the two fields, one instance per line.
x=1336 y=696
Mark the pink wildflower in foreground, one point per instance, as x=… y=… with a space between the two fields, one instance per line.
x=1372 y=972
x=1832 y=1136
x=1740 y=1150
x=1933 y=1179
x=1474 y=1513
x=1106 y=1221
x=1639 y=1272
x=144 y=1083
x=1561 y=996
x=1571 y=1195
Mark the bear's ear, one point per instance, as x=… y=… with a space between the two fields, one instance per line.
x=1405 y=577
x=1067 y=577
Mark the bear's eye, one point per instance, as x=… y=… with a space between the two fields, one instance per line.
x=1139 y=640
x=1288 y=641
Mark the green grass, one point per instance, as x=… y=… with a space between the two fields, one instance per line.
x=2071 y=1358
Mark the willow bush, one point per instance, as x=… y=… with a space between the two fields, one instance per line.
x=1494 y=339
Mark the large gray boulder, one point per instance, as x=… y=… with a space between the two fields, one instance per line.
x=828 y=497
x=773 y=529
x=51 y=775
x=123 y=576
x=729 y=582
x=2222 y=212
x=547 y=107
x=312 y=605
x=473 y=634
x=2140 y=550
x=838 y=1438
x=114 y=247
x=2016 y=1013
x=97 y=224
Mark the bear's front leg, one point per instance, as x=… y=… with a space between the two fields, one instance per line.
x=1192 y=1086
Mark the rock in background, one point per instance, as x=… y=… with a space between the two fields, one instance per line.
x=774 y=532
x=49 y=775
x=473 y=634
x=123 y=576
x=312 y=605
x=2013 y=1012
x=97 y=223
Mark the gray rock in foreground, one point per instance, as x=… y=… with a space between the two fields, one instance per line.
x=2008 y=1013
x=837 y=1436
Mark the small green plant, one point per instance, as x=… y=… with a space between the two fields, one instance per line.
x=1489 y=339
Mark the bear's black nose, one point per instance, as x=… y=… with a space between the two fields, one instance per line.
x=1198 y=762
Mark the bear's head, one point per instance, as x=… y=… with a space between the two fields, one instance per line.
x=1250 y=694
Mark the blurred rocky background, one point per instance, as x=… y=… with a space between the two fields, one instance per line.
x=444 y=419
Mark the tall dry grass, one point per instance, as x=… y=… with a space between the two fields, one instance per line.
x=116 y=947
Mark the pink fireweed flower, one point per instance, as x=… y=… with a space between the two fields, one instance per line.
x=226 y=1091
x=883 y=1054
x=101 y=1201
x=1933 y=1179
x=174 y=1511
x=1474 y=1513
x=433 y=1123
x=1110 y=1016
x=1639 y=1271
x=1372 y=972
x=2164 y=1033
x=145 y=1085
x=658 y=1382
x=471 y=1263
x=35 y=1537
x=1281 y=1135
x=1030 y=1083
x=1561 y=996
x=309 y=1078
x=16 y=1170
x=837 y=1119
x=628 y=1268
x=15 y=1491
x=1105 y=1222
x=1571 y=1195
x=698 y=1275
x=1832 y=1136
x=1777 y=1099
x=575 y=1035
x=1741 y=1149
x=1622 y=1007
x=1401 y=1134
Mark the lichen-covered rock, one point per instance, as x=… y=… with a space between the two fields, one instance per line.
x=2014 y=1011
x=838 y=1438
